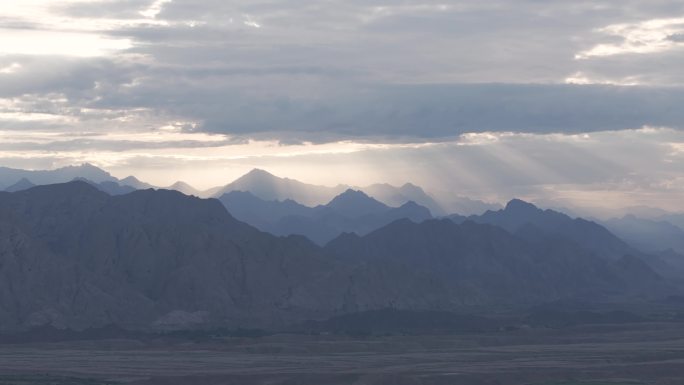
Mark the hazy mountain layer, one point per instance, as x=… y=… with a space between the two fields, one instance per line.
x=351 y=211
x=269 y=187
x=397 y=196
x=260 y=183
x=10 y=176
x=22 y=184
x=647 y=235
x=528 y=221
x=186 y=189
x=13 y=180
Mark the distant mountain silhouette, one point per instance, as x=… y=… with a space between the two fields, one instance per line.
x=270 y=187
x=111 y=188
x=260 y=183
x=22 y=184
x=354 y=203
x=351 y=211
x=135 y=183
x=647 y=235
x=676 y=219
x=72 y=256
x=670 y=264
x=15 y=179
x=260 y=213
x=525 y=219
x=480 y=263
x=397 y=196
x=10 y=176
x=186 y=189
x=453 y=203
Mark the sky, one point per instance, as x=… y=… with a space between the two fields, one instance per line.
x=571 y=103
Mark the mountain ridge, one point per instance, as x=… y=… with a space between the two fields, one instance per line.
x=351 y=211
x=73 y=256
x=258 y=181
x=589 y=234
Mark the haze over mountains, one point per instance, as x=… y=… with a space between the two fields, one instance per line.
x=285 y=206
x=260 y=183
x=97 y=251
x=650 y=235
x=661 y=229
x=11 y=176
x=351 y=211
x=74 y=256
x=525 y=219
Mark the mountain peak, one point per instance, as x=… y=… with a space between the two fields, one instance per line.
x=179 y=184
x=349 y=196
x=77 y=187
x=88 y=169
x=352 y=192
x=270 y=187
x=135 y=183
x=83 y=166
x=355 y=202
x=131 y=179
x=411 y=187
x=259 y=173
x=256 y=176
x=22 y=184
x=185 y=188
x=411 y=204
x=520 y=205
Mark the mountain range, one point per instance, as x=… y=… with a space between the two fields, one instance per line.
x=21 y=184
x=73 y=256
x=648 y=235
x=528 y=221
x=269 y=187
x=479 y=264
x=351 y=211
x=28 y=178
x=262 y=184
x=652 y=230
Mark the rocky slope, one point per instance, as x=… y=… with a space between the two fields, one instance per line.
x=73 y=256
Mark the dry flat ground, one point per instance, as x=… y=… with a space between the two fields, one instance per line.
x=589 y=355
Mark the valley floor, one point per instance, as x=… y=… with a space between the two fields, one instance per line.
x=597 y=355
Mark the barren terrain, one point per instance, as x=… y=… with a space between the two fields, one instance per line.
x=650 y=353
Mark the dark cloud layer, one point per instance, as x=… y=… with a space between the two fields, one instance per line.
x=321 y=71
x=439 y=112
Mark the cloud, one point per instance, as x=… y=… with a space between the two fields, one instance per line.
x=348 y=70
x=154 y=9
x=595 y=170
x=645 y=37
x=32 y=42
x=499 y=93
x=433 y=112
x=581 y=78
x=10 y=69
